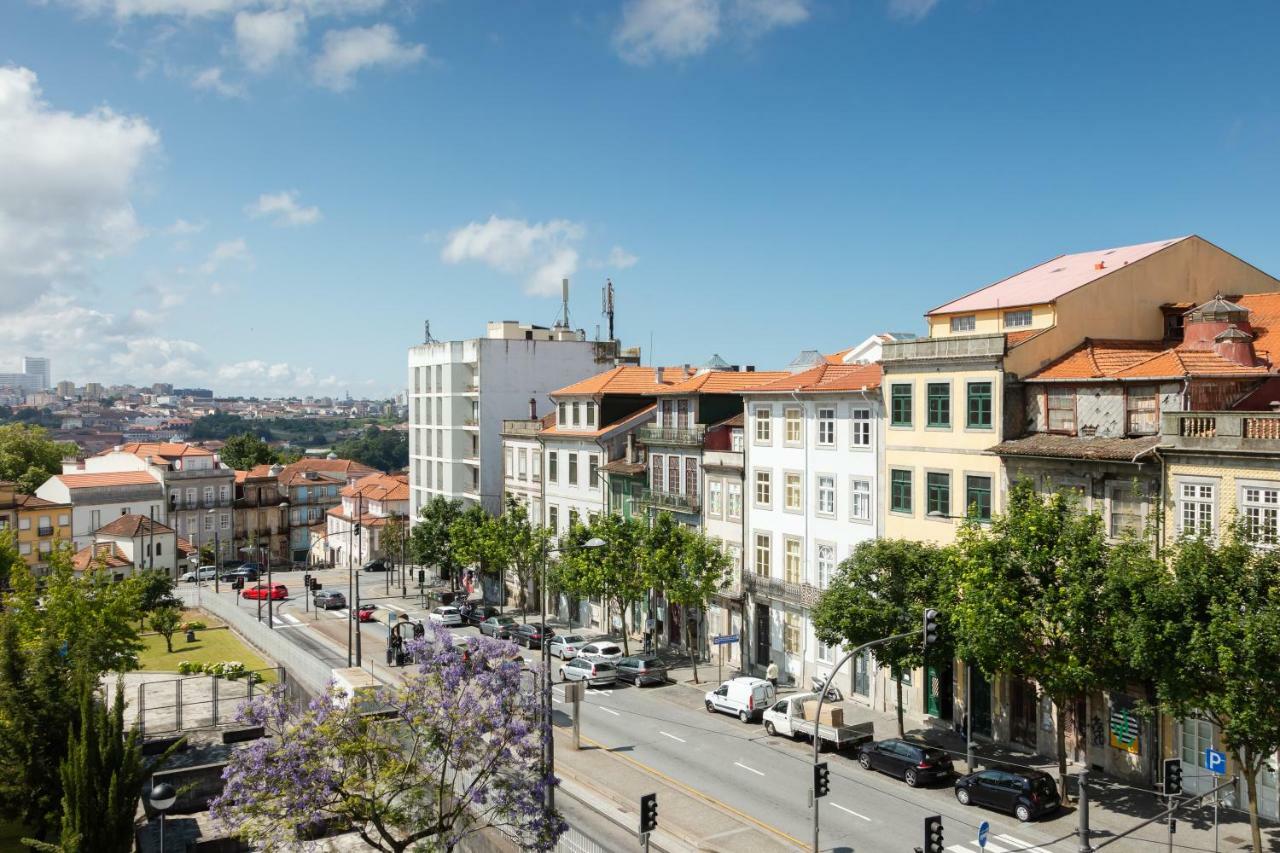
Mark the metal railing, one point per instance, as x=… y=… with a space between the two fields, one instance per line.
x=672 y=435
x=669 y=500
x=803 y=594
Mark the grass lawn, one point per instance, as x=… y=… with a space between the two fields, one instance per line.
x=211 y=646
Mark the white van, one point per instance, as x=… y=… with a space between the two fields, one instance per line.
x=204 y=573
x=744 y=697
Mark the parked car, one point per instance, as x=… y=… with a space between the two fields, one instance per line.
x=374 y=566
x=242 y=573
x=595 y=673
x=912 y=762
x=366 y=611
x=601 y=651
x=203 y=573
x=640 y=670
x=530 y=635
x=329 y=599
x=497 y=626
x=744 y=697
x=1026 y=794
x=475 y=612
x=565 y=646
x=446 y=615
x=786 y=717
x=276 y=592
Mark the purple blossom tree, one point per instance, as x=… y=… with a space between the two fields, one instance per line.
x=455 y=748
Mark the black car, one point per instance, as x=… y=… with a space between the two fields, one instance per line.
x=530 y=635
x=475 y=612
x=247 y=572
x=374 y=566
x=1026 y=794
x=640 y=670
x=913 y=763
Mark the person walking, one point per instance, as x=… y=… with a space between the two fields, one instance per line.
x=771 y=675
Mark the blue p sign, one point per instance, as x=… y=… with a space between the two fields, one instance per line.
x=1215 y=762
x=983 y=829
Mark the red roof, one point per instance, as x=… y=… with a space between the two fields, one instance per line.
x=160 y=449
x=823 y=379
x=294 y=474
x=624 y=379
x=133 y=526
x=380 y=487
x=722 y=382
x=108 y=478
x=104 y=554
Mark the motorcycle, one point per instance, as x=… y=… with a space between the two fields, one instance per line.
x=821 y=684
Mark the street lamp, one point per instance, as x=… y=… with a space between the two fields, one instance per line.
x=217 y=555
x=162 y=798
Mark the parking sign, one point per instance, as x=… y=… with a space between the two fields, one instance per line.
x=983 y=829
x=1215 y=762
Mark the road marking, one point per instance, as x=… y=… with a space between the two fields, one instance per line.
x=291 y=618
x=1023 y=846
x=855 y=814
x=609 y=710
x=745 y=767
x=990 y=848
x=344 y=614
x=673 y=737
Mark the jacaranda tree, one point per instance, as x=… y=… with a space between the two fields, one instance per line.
x=451 y=750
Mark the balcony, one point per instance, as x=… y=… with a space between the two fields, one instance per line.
x=44 y=531
x=673 y=501
x=672 y=436
x=800 y=594
x=1240 y=432
x=946 y=348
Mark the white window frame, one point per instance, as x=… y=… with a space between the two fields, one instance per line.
x=762 y=420
x=964 y=323
x=1015 y=319
x=824 y=567
x=1111 y=490
x=1259 y=502
x=860 y=501
x=793 y=486
x=825 y=497
x=762 y=488
x=762 y=554
x=792 y=551
x=1197 y=500
x=860 y=432
x=827 y=426
x=715 y=498
x=793 y=422
x=733 y=499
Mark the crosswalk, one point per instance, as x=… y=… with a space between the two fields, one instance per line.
x=998 y=844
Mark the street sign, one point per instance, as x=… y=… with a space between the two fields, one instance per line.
x=724 y=639
x=1215 y=762
x=983 y=829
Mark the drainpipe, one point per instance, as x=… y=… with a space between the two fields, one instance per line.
x=807 y=504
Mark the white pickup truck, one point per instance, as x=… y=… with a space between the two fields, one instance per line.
x=786 y=717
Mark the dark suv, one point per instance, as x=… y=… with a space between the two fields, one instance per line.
x=1027 y=794
x=913 y=763
x=530 y=635
x=475 y=612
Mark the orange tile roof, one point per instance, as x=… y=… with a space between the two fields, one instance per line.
x=624 y=379
x=161 y=449
x=838 y=357
x=106 y=555
x=1099 y=359
x=294 y=474
x=380 y=487
x=133 y=525
x=33 y=502
x=591 y=433
x=108 y=478
x=1012 y=339
x=723 y=382
x=1264 y=317
x=824 y=378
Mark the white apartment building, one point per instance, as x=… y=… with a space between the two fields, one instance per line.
x=723 y=459
x=522 y=464
x=353 y=529
x=814 y=447
x=460 y=392
x=97 y=499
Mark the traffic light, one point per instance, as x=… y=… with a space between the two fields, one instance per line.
x=648 y=812
x=821 y=780
x=933 y=834
x=1172 y=777
x=930 y=627
x=422 y=576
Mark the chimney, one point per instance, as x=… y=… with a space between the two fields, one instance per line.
x=631 y=445
x=657 y=375
x=1100 y=265
x=750 y=368
x=1235 y=346
x=533 y=408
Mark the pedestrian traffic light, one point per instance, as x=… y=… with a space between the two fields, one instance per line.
x=422 y=577
x=1172 y=777
x=648 y=812
x=933 y=834
x=821 y=780
x=930 y=627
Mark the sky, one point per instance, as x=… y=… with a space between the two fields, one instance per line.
x=272 y=196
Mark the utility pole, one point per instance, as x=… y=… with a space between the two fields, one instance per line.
x=1082 y=809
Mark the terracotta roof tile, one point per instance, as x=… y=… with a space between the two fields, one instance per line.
x=1099 y=359
x=380 y=487
x=624 y=379
x=339 y=470
x=160 y=449
x=825 y=378
x=33 y=502
x=106 y=555
x=640 y=415
x=108 y=478
x=133 y=525
x=1057 y=446
x=1013 y=339
x=723 y=382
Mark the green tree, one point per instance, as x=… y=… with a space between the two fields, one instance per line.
x=28 y=457
x=688 y=568
x=394 y=540
x=246 y=450
x=612 y=572
x=165 y=621
x=9 y=556
x=478 y=540
x=384 y=449
x=526 y=548
x=1030 y=598
x=429 y=539
x=882 y=590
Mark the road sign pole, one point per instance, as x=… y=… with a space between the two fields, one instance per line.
x=1082 y=809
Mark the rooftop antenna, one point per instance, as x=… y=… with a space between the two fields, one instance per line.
x=564 y=302
x=606 y=299
x=426 y=333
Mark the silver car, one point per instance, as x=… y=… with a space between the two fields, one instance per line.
x=446 y=615
x=565 y=646
x=605 y=652
x=594 y=673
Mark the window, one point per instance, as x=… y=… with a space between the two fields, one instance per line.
x=576 y=412
x=826 y=495
x=536 y=464
x=826 y=563
x=937 y=493
x=591 y=414
x=553 y=517
x=224 y=521
x=1143 y=411
x=1060 y=410
x=571 y=462
x=64 y=519
x=793 y=426
x=791 y=633
x=900 y=491
x=792 y=565
x=791 y=496
x=1194 y=737
x=764 y=425
x=860 y=499
x=1195 y=509
x=655 y=469
x=1261 y=512
x=682 y=414
x=967 y=323
x=826 y=427
x=573 y=518
x=191 y=497
x=673 y=474
x=208 y=495
x=860 y=428
x=562 y=416
x=764 y=489
x=978 y=410
x=593 y=470
x=691 y=479
x=1125 y=513
x=208 y=522
x=522 y=463
x=24 y=548
x=224 y=494
x=553 y=476
x=715 y=496
x=735 y=441
x=511 y=467
x=1020 y=319
x=45 y=546
x=764 y=554
x=900 y=405
x=24 y=523
x=824 y=653
x=159 y=548
x=733 y=504
x=977 y=497
x=938 y=411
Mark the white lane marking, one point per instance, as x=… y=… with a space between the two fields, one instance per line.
x=995 y=848
x=609 y=710
x=1023 y=846
x=344 y=614
x=673 y=737
x=291 y=618
x=294 y=625
x=855 y=814
x=745 y=767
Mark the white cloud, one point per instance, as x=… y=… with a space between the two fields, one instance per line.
x=620 y=258
x=911 y=10
x=211 y=80
x=347 y=52
x=264 y=38
x=256 y=373
x=229 y=250
x=284 y=208
x=183 y=228
x=760 y=16
x=543 y=252
x=65 y=186
x=666 y=29
x=215 y=8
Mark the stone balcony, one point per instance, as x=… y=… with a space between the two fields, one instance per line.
x=801 y=594
x=672 y=436
x=1236 y=432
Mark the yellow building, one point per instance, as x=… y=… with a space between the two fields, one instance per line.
x=42 y=525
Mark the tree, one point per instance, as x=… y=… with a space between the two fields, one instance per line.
x=384 y=449
x=882 y=590
x=165 y=621
x=612 y=572
x=28 y=457
x=478 y=539
x=456 y=750
x=429 y=540
x=688 y=567
x=1029 y=598
x=246 y=450
x=395 y=539
x=9 y=556
x=526 y=548
x=1203 y=623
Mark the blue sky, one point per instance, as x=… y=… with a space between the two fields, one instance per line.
x=272 y=195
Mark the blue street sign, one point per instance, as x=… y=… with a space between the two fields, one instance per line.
x=724 y=639
x=983 y=829
x=1215 y=762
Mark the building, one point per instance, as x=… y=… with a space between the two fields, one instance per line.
x=66 y=388
x=460 y=392
x=723 y=467
x=522 y=462
x=10 y=499
x=260 y=523
x=42 y=527
x=33 y=379
x=98 y=498
x=311 y=487
x=131 y=543
x=354 y=528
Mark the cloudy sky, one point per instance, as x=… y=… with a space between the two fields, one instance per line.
x=270 y=196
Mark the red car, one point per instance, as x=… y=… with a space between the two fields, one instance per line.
x=277 y=592
x=366 y=611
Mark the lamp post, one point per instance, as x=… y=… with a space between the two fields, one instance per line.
x=162 y=798
x=217 y=555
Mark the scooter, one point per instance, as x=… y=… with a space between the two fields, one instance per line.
x=819 y=684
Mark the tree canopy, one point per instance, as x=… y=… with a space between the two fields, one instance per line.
x=28 y=457
x=384 y=449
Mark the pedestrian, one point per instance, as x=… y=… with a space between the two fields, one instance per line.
x=771 y=675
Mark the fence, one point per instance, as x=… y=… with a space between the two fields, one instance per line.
x=575 y=842
x=196 y=701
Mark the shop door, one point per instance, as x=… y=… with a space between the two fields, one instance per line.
x=1077 y=737
x=1022 y=713
x=981 y=696
x=862 y=673
x=938 y=697
x=763 y=626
